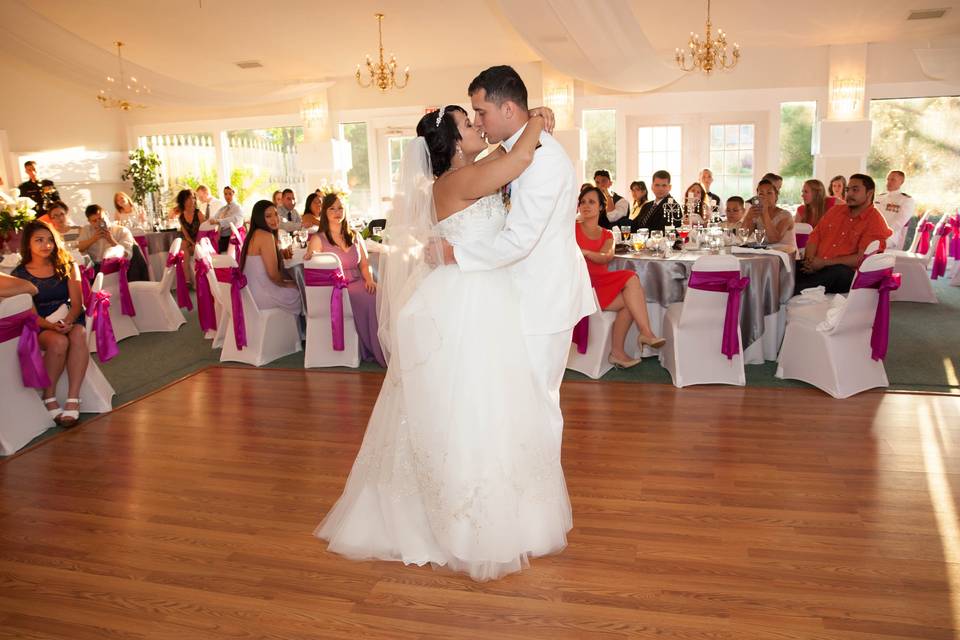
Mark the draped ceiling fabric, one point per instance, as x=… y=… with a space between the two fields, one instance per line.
x=941 y=60
x=26 y=34
x=600 y=42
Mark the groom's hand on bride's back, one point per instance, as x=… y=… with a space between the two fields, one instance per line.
x=440 y=252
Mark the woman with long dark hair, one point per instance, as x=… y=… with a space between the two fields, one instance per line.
x=311 y=210
x=261 y=261
x=335 y=236
x=46 y=264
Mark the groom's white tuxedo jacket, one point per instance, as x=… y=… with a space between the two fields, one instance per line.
x=539 y=243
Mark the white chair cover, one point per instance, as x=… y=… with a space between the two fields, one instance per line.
x=915 y=283
x=838 y=360
x=24 y=414
x=204 y=251
x=801 y=230
x=693 y=330
x=123 y=326
x=156 y=308
x=320 y=351
x=271 y=333
x=596 y=361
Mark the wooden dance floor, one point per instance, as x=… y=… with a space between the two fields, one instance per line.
x=704 y=513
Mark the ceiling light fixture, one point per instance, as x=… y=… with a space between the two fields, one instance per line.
x=383 y=74
x=708 y=54
x=120 y=92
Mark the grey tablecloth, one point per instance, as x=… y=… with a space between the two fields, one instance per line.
x=665 y=282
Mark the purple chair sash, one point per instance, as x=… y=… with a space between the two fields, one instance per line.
x=87 y=274
x=176 y=261
x=330 y=278
x=925 y=230
x=26 y=325
x=213 y=235
x=884 y=281
x=581 y=334
x=731 y=283
x=205 y=307
x=802 y=239
x=102 y=326
x=120 y=265
x=940 y=255
x=954 y=224
x=237 y=282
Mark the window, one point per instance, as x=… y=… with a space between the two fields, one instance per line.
x=187 y=160
x=731 y=159
x=601 y=128
x=660 y=148
x=919 y=137
x=395 y=146
x=264 y=160
x=358 y=178
x=796 y=157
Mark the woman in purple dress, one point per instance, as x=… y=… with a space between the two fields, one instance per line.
x=336 y=237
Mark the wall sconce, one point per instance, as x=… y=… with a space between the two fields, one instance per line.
x=315 y=113
x=559 y=97
x=846 y=98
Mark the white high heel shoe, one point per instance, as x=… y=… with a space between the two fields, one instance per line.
x=55 y=413
x=70 y=416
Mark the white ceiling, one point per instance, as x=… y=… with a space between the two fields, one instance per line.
x=197 y=42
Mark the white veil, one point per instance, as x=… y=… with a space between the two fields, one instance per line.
x=406 y=241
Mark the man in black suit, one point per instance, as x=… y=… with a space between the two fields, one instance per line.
x=651 y=213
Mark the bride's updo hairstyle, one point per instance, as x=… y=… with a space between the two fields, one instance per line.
x=441 y=137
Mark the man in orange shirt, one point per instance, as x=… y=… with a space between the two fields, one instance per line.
x=835 y=248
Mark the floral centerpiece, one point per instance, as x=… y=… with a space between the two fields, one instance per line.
x=15 y=213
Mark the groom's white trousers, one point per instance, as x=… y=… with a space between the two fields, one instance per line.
x=548 y=353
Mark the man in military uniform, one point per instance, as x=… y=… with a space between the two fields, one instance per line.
x=42 y=192
x=897 y=208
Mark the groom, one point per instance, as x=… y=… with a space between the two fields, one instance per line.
x=538 y=242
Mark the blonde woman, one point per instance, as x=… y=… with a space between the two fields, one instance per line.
x=814 y=203
x=128 y=214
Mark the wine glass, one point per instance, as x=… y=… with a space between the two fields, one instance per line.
x=656 y=238
x=625 y=232
x=761 y=234
x=742 y=235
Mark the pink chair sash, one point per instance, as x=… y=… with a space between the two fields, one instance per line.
x=940 y=255
x=176 y=261
x=581 y=334
x=330 y=278
x=925 y=231
x=884 y=281
x=205 y=307
x=733 y=284
x=237 y=239
x=212 y=235
x=102 y=326
x=802 y=240
x=25 y=326
x=120 y=265
x=87 y=274
x=237 y=281
x=954 y=224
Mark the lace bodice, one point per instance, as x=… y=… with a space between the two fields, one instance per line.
x=482 y=218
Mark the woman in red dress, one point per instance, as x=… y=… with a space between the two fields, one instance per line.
x=618 y=291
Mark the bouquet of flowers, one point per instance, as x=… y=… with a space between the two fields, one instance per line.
x=15 y=212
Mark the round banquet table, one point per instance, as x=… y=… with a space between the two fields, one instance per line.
x=763 y=307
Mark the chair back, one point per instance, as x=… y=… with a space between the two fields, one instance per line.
x=15 y=304
x=114 y=252
x=166 y=281
x=98 y=283
x=859 y=310
x=707 y=308
x=872 y=248
x=318 y=297
x=206 y=246
x=916 y=233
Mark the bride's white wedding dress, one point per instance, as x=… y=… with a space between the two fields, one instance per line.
x=458 y=466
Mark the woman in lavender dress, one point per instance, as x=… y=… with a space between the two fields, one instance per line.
x=335 y=236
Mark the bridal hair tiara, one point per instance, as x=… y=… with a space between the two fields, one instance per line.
x=441 y=114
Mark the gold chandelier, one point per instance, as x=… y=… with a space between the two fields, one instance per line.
x=120 y=92
x=708 y=54
x=383 y=75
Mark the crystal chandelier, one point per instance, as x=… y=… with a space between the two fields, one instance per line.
x=383 y=74
x=708 y=54
x=121 y=92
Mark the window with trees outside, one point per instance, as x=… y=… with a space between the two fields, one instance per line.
x=358 y=178
x=796 y=155
x=601 y=128
x=661 y=148
x=731 y=159
x=919 y=137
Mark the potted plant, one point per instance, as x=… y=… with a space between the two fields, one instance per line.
x=144 y=173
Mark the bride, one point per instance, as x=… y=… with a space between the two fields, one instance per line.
x=458 y=466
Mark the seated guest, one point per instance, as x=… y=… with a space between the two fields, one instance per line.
x=228 y=213
x=838 y=188
x=617 y=207
x=190 y=219
x=734 y=212
x=127 y=213
x=835 y=248
x=99 y=235
x=618 y=291
x=287 y=211
x=706 y=179
x=814 y=203
x=57 y=215
x=777 y=182
x=695 y=206
x=47 y=266
x=261 y=261
x=638 y=189
x=651 y=213
x=777 y=223
x=206 y=202
x=335 y=236
x=42 y=192
x=896 y=207
x=13 y=286
x=311 y=211
x=277 y=197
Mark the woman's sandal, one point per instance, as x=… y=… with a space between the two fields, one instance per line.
x=70 y=416
x=655 y=343
x=57 y=413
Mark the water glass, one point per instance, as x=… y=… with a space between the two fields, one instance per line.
x=656 y=237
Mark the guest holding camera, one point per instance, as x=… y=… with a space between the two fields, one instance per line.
x=99 y=235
